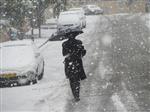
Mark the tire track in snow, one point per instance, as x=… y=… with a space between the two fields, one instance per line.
x=119 y=105
x=54 y=101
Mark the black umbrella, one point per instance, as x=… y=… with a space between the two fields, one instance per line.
x=63 y=34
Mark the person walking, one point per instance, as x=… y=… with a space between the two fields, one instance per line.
x=73 y=50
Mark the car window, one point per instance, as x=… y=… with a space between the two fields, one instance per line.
x=75 y=9
x=68 y=15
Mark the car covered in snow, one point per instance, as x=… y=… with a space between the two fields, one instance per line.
x=147 y=6
x=92 y=9
x=81 y=13
x=70 y=19
x=21 y=63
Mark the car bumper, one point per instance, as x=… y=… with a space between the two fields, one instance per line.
x=13 y=81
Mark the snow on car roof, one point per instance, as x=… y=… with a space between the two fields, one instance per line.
x=68 y=12
x=92 y=6
x=73 y=9
x=16 y=43
x=52 y=20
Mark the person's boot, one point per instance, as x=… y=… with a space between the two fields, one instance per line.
x=77 y=99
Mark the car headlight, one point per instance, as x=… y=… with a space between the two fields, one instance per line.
x=26 y=74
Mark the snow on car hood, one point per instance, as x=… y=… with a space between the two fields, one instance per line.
x=68 y=19
x=16 y=58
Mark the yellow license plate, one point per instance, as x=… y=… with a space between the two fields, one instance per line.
x=8 y=75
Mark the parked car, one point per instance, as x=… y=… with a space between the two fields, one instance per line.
x=92 y=9
x=147 y=6
x=21 y=63
x=81 y=13
x=14 y=33
x=4 y=36
x=70 y=19
x=11 y=32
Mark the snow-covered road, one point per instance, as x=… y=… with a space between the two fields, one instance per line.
x=115 y=81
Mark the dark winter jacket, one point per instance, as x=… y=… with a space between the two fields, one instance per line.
x=74 y=51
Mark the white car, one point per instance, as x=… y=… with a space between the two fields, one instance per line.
x=20 y=63
x=69 y=19
x=81 y=13
x=92 y=9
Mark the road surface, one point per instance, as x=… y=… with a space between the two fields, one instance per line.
x=117 y=65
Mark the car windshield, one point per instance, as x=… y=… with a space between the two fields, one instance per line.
x=15 y=55
x=71 y=13
x=68 y=16
x=75 y=9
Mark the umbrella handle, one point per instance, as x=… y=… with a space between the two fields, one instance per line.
x=46 y=41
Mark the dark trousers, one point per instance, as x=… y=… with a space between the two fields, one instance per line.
x=75 y=87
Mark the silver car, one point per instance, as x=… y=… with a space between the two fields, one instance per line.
x=70 y=19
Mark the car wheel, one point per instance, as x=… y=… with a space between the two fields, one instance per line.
x=34 y=81
x=42 y=73
x=24 y=84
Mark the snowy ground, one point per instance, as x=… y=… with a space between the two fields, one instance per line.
x=117 y=78
x=146 y=18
